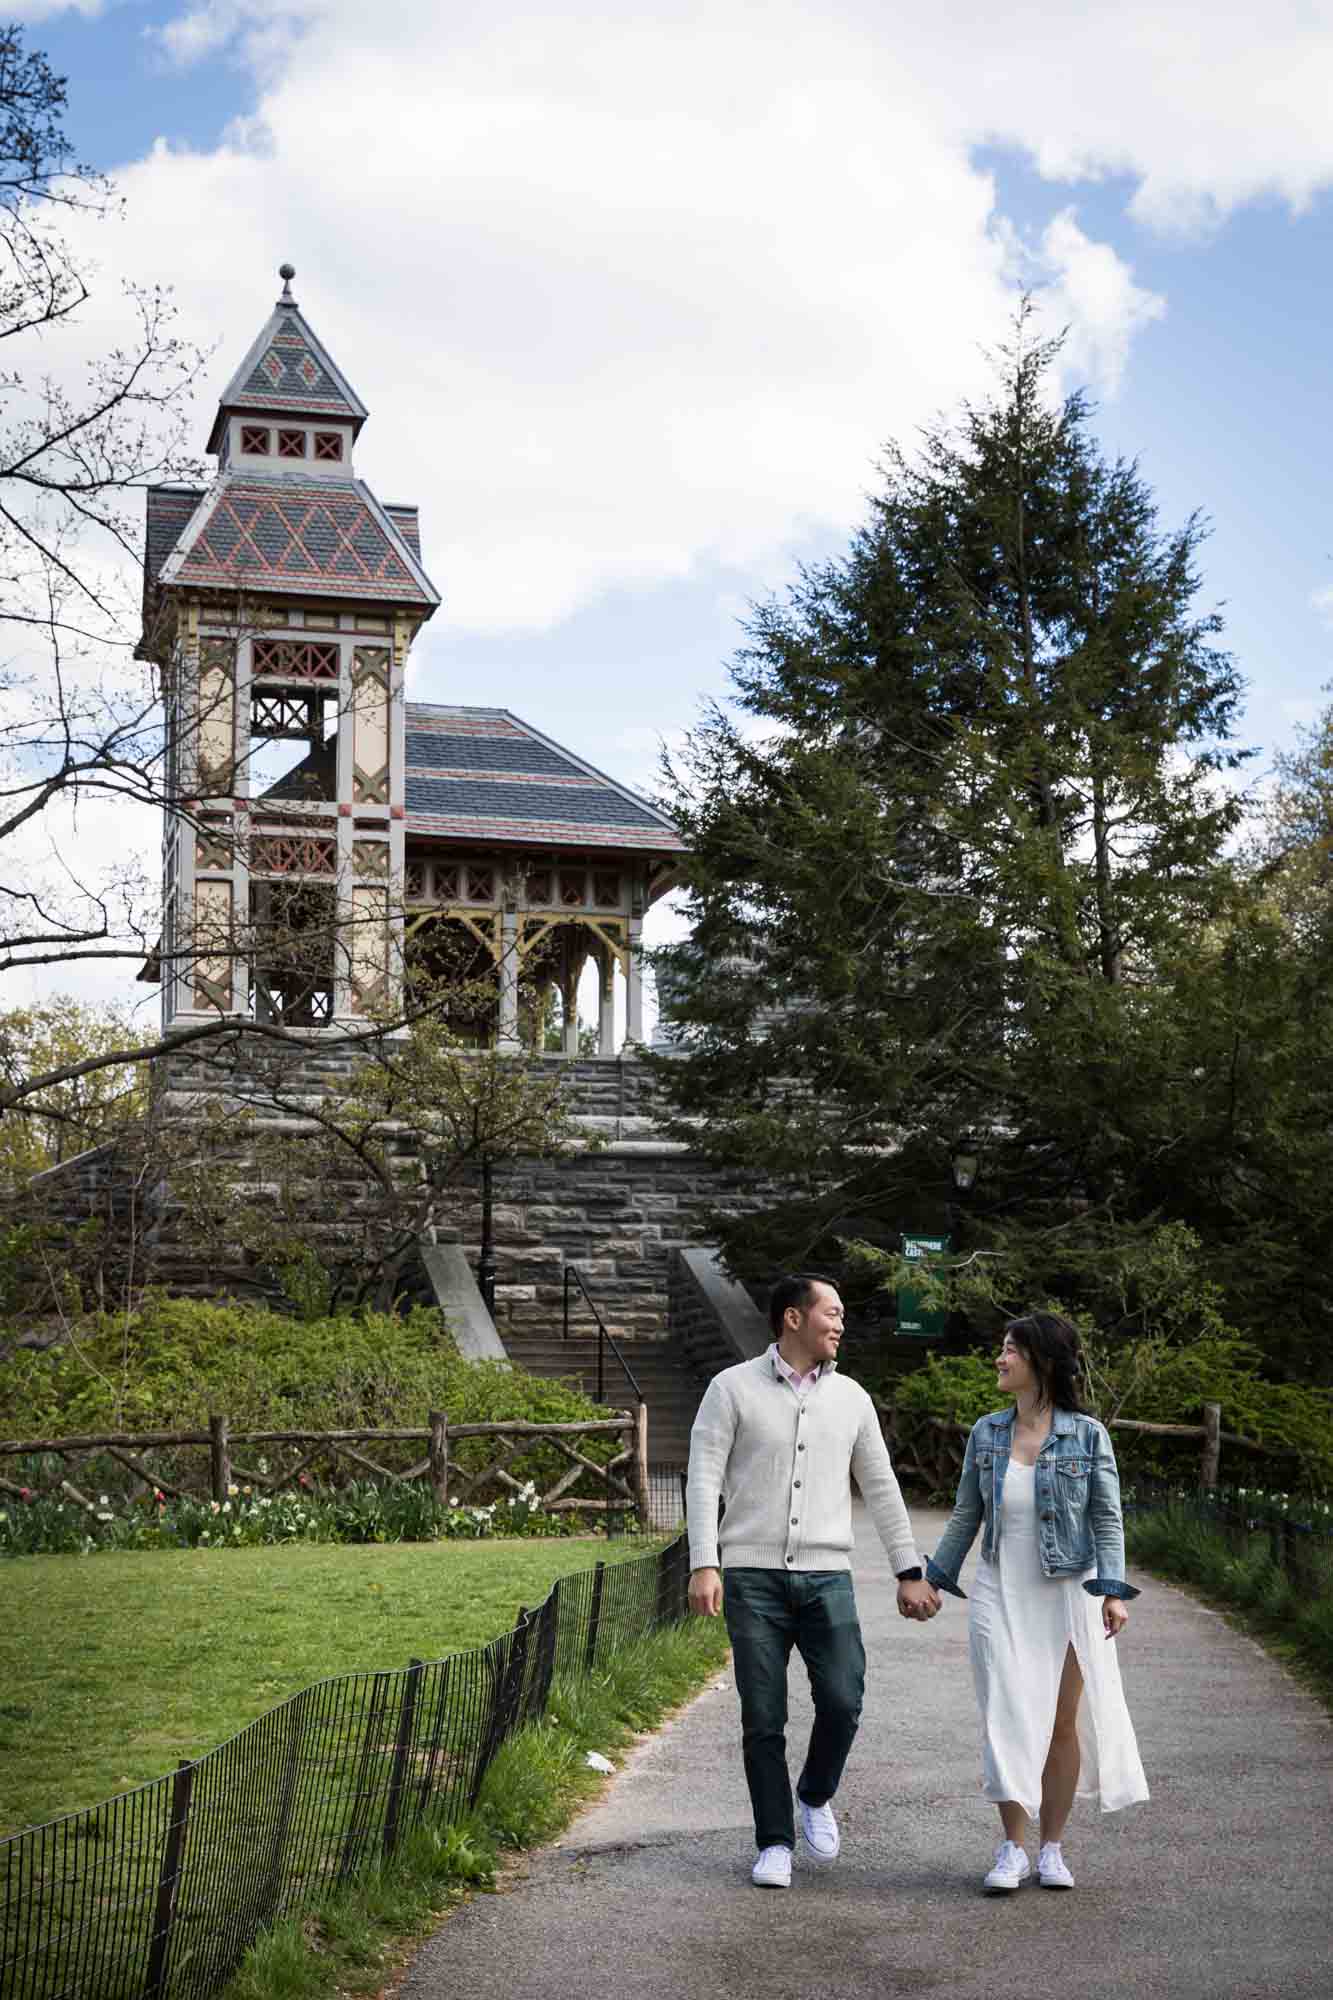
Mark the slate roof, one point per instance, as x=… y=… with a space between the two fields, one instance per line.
x=288 y=372
x=482 y=774
x=407 y=521
x=278 y=531
x=169 y=512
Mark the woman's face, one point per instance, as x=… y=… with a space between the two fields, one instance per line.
x=1013 y=1370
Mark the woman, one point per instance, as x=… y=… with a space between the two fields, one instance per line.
x=1040 y=1480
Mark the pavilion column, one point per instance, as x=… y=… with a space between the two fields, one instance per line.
x=634 y=1004
x=606 y=999
x=507 y=1041
x=571 y=965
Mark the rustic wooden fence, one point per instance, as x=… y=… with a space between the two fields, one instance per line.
x=584 y=1484
x=931 y=1449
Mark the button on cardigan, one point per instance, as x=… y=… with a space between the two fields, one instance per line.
x=782 y=1462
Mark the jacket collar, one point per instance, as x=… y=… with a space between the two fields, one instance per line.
x=1063 y=1422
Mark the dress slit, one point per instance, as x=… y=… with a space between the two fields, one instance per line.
x=1021 y=1629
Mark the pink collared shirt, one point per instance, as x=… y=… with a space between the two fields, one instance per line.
x=800 y=1383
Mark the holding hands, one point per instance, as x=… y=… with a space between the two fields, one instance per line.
x=918 y=1600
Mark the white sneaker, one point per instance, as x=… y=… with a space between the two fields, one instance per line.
x=1052 y=1871
x=773 y=1868
x=820 y=1830
x=1011 y=1867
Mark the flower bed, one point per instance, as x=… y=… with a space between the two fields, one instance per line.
x=362 y=1512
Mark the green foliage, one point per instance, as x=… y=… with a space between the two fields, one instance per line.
x=307 y=1286
x=961 y=880
x=79 y=1111
x=1155 y=1381
x=957 y=1387
x=1293 y=1612
x=168 y=1365
x=40 y=1266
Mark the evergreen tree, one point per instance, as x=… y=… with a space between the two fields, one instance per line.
x=946 y=867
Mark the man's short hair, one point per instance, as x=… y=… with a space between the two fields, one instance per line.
x=797 y=1289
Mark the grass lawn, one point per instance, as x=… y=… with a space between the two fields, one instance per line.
x=112 y=1667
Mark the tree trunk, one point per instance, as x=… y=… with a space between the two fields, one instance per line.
x=1108 y=943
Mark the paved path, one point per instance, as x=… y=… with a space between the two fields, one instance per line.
x=1220 y=1889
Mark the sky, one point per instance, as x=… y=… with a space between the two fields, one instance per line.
x=636 y=294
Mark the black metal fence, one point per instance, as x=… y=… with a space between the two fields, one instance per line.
x=1293 y=1533
x=666 y=1497
x=156 y=1894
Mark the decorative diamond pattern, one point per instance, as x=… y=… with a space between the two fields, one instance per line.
x=370 y=860
x=291 y=374
x=295 y=660
x=324 y=536
x=293 y=854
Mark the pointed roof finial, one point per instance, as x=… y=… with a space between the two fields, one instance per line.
x=287 y=372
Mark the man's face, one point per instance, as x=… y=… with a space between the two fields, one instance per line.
x=817 y=1330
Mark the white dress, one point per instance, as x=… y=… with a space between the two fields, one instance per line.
x=1020 y=1625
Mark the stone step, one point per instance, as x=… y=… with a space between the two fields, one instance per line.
x=669 y=1387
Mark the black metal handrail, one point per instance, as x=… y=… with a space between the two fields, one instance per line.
x=605 y=1338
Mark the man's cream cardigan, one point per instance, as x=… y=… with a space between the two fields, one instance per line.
x=783 y=1462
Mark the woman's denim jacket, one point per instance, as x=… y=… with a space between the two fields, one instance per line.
x=1079 y=1524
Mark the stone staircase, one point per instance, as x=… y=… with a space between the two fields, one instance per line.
x=670 y=1388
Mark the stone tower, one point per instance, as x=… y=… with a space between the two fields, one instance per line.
x=281 y=603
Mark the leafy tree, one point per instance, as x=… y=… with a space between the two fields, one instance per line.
x=83 y=1110
x=950 y=862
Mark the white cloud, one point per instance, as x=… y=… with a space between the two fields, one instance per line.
x=191 y=37
x=1321 y=602
x=623 y=298
x=1204 y=109
x=628 y=293
x=635 y=295
x=1094 y=293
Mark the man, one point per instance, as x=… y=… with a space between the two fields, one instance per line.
x=778 y=1439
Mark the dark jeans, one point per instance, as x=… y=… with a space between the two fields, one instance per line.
x=769 y=1611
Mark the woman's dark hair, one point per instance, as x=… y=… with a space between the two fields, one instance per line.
x=797 y=1289
x=1051 y=1344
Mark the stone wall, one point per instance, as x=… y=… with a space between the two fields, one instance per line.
x=616 y=1212
x=613 y=1097
x=711 y=1318
x=617 y=1215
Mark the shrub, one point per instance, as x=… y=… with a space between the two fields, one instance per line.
x=1154 y=1382
x=168 y=1365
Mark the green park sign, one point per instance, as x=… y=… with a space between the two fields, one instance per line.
x=914 y=1319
